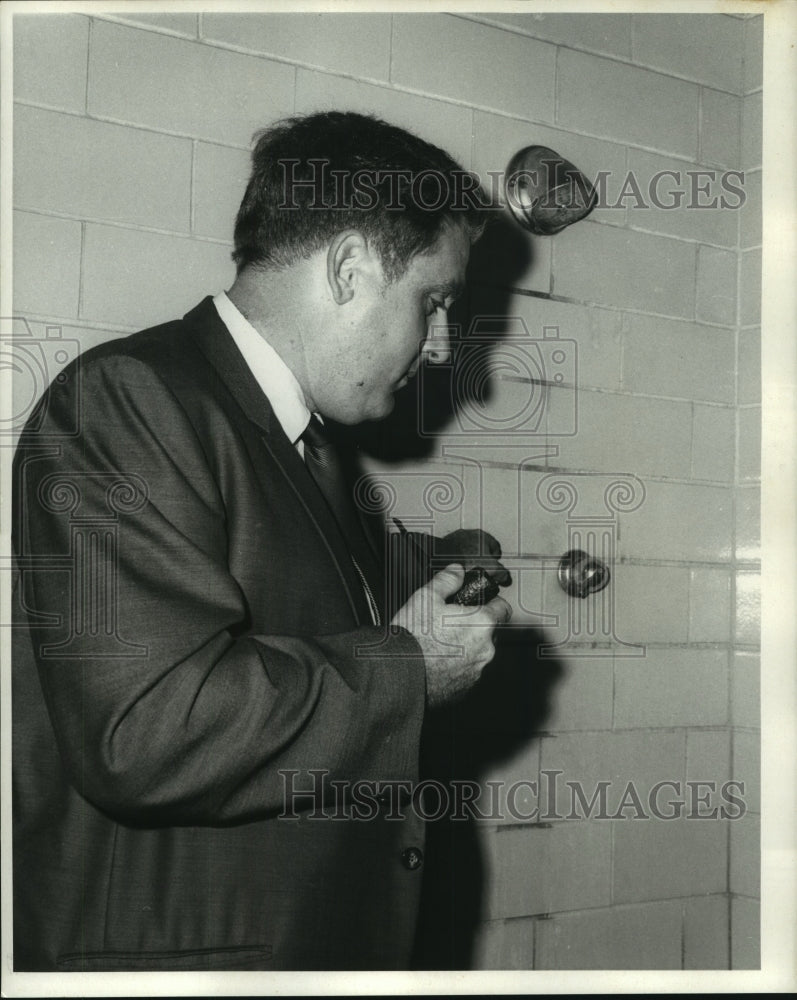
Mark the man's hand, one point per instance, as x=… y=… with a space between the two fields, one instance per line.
x=457 y=641
x=472 y=547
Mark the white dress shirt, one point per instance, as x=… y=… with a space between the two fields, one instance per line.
x=280 y=388
x=272 y=374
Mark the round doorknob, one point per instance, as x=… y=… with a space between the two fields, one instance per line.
x=581 y=574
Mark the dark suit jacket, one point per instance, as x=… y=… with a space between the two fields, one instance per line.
x=197 y=628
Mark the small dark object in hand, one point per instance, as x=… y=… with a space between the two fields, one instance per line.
x=477 y=588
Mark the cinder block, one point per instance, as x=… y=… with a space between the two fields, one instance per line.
x=662 y=859
x=525 y=593
x=186 y=87
x=752 y=130
x=631 y=434
x=172 y=274
x=623 y=937
x=720 y=128
x=501 y=499
x=496 y=139
x=753 y=54
x=101 y=171
x=746 y=766
x=530 y=870
x=680 y=521
x=679 y=199
x=642 y=759
x=583 y=697
x=716 y=286
x=704 y=47
x=750 y=442
x=46 y=265
x=220 y=178
x=504 y=944
x=746 y=690
x=749 y=367
x=748 y=608
x=449 y=126
x=674 y=358
x=750 y=288
x=572 y=764
x=512 y=406
x=751 y=211
x=708 y=759
x=50 y=59
x=618 y=101
x=177 y=24
x=713 y=443
x=709 y=605
x=642 y=604
x=599 y=347
x=745 y=933
x=672 y=687
x=745 y=873
x=431 y=496
x=608 y=33
x=616 y=267
x=355 y=44
x=706 y=932
x=594 y=336
x=436 y=54
x=510 y=788
x=748 y=522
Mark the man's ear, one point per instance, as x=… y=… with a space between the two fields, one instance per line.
x=348 y=258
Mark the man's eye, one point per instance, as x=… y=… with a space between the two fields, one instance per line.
x=433 y=307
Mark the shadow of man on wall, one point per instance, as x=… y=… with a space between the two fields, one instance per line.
x=465 y=742
x=507 y=707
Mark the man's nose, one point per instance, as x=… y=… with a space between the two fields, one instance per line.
x=436 y=348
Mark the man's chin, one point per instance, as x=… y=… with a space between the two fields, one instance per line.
x=373 y=413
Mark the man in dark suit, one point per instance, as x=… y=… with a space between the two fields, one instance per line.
x=217 y=702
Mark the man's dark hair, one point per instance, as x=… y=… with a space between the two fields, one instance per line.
x=316 y=175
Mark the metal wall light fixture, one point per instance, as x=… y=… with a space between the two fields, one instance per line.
x=545 y=192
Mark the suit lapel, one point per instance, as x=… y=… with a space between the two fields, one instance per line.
x=215 y=342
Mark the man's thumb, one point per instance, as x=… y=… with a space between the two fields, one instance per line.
x=449 y=580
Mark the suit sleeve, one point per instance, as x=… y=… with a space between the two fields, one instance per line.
x=164 y=711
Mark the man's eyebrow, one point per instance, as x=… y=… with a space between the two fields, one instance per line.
x=452 y=288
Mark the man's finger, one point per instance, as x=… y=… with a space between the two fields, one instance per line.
x=449 y=580
x=500 y=610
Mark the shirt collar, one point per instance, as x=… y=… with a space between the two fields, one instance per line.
x=274 y=377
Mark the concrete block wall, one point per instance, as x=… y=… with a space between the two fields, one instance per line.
x=131 y=154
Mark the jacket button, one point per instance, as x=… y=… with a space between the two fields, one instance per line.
x=412 y=858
